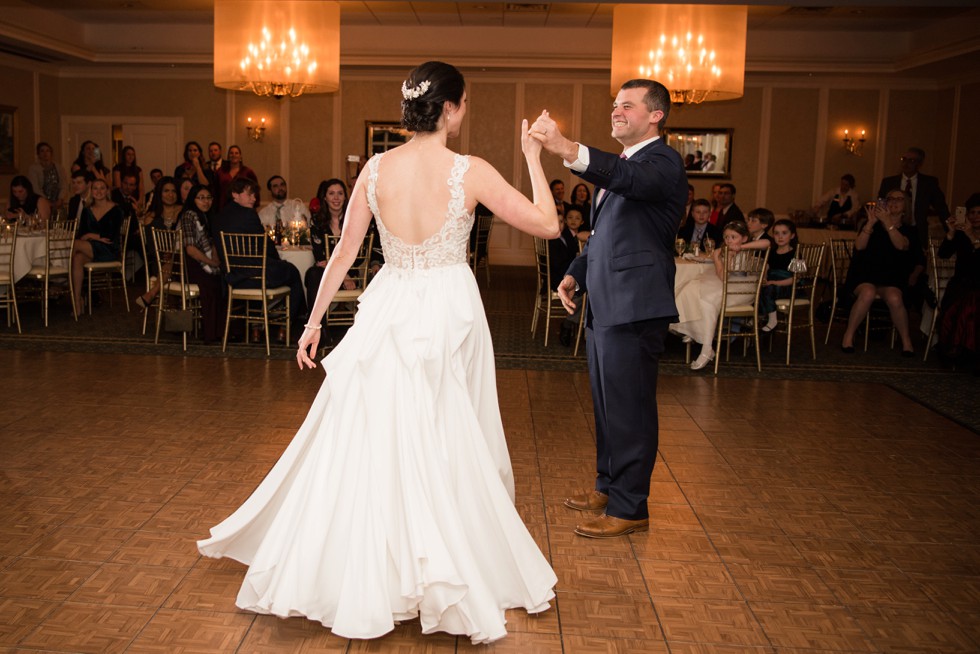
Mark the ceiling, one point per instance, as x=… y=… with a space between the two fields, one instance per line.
x=895 y=37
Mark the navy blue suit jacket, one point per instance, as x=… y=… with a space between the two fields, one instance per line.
x=627 y=266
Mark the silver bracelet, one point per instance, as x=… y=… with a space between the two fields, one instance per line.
x=316 y=327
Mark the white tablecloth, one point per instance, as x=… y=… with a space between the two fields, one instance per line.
x=29 y=251
x=300 y=256
x=695 y=286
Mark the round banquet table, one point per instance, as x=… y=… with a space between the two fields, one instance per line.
x=28 y=251
x=300 y=256
x=688 y=306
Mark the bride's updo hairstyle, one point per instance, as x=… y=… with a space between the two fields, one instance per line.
x=428 y=86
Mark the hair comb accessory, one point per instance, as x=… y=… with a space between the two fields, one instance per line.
x=416 y=91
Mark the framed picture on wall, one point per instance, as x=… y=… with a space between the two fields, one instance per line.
x=8 y=131
x=707 y=152
x=382 y=137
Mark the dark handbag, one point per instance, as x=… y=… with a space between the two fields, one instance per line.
x=178 y=321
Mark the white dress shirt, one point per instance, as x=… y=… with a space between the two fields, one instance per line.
x=289 y=211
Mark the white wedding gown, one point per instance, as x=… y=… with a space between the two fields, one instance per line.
x=395 y=499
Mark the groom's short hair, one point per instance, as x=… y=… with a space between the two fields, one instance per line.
x=657 y=97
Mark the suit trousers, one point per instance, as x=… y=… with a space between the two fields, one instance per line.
x=623 y=364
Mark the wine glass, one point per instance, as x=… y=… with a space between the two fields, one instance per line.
x=709 y=246
x=679 y=246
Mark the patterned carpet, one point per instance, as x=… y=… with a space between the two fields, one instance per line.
x=508 y=301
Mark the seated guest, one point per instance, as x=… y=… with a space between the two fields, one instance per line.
x=710 y=162
x=779 y=280
x=155 y=176
x=239 y=217
x=958 y=336
x=128 y=166
x=163 y=213
x=90 y=159
x=574 y=222
x=561 y=252
x=582 y=200
x=842 y=203
x=698 y=229
x=726 y=210
x=689 y=205
x=329 y=208
x=280 y=210
x=231 y=169
x=193 y=167
x=880 y=267
x=81 y=187
x=126 y=198
x=25 y=203
x=203 y=267
x=706 y=291
x=98 y=238
x=558 y=192
x=759 y=221
x=48 y=177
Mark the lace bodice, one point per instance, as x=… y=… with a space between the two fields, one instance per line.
x=446 y=247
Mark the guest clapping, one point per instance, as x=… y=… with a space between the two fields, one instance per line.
x=881 y=266
x=958 y=335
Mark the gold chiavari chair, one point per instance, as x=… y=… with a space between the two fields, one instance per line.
x=176 y=293
x=940 y=272
x=245 y=261
x=803 y=297
x=480 y=255
x=547 y=301
x=8 y=294
x=100 y=273
x=744 y=272
x=343 y=308
x=59 y=241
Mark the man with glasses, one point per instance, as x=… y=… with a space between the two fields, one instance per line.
x=926 y=196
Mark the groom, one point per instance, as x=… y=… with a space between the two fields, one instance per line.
x=627 y=268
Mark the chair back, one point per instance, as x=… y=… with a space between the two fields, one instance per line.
x=805 y=281
x=484 y=225
x=841 y=250
x=60 y=241
x=169 y=247
x=744 y=272
x=362 y=263
x=940 y=272
x=8 y=241
x=543 y=263
x=245 y=257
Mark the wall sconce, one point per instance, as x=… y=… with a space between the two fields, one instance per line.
x=854 y=146
x=255 y=132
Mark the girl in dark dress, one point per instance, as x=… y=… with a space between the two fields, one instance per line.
x=98 y=235
x=779 y=280
x=881 y=266
x=326 y=219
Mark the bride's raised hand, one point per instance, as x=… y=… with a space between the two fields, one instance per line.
x=530 y=146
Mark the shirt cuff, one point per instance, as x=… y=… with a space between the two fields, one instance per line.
x=581 y=164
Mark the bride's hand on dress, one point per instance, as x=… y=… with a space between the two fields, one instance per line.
x=308 y=343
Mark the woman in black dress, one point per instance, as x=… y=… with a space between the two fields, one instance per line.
x=959 y=337
x=98 y=238
x=882 y=262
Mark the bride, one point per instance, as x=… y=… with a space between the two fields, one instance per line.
x=395 y=499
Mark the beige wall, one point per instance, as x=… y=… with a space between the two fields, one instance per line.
x=786 y=143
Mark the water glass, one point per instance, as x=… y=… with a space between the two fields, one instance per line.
x=679 y=246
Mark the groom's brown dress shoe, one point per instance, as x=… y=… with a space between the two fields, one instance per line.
x=605 y=526
x=592 y=500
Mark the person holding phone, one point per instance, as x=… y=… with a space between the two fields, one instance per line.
x=958 y=336
x=89 y=159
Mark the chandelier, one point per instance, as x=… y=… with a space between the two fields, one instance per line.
x=696 y=51
x=278 y=49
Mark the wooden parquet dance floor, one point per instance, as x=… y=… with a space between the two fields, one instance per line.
x=798 y=517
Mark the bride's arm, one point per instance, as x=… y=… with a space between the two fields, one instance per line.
x=538 y=218
x=356 y=223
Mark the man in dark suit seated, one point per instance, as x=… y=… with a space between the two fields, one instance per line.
x=627 y=268
x=727 y=210
x=81 y=186
x=698 y=229
x=240 y=217
x=927 y=197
